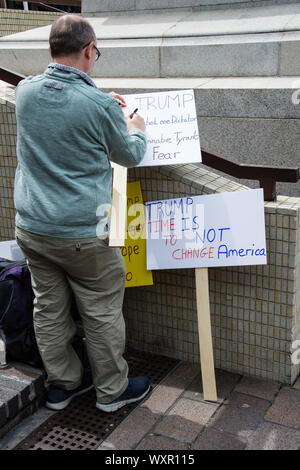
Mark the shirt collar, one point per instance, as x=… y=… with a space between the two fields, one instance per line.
x=67 y=68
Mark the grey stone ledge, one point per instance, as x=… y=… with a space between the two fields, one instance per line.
x=267 y=19
x=104 y=7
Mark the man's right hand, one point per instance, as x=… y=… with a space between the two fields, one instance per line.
x=136 y=122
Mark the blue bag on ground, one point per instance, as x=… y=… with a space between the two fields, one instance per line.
x=16 y=313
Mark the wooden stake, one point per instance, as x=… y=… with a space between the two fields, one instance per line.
x=117 y=231
x=205 y=336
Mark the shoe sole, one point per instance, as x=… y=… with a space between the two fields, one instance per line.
x=63 y=404
x=109 y=408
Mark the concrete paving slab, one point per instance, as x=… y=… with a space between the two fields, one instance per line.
x=132 y=430
x=265 y=389
x=212 y=439
x=177 y=428
x=225 y=383
x=165 y=395
x=240 y=415
x=160 y=443
x=185 y=420
x=270 y=436
x=286 y=408
x=186 y=370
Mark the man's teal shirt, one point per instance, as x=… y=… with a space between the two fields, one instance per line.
x=69 y=132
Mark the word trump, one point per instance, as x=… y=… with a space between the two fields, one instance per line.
x=161 y=101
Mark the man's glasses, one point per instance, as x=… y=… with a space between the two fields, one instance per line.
x=98 y=53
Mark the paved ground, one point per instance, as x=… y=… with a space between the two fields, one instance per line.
x=257 y=414
x=250 y=414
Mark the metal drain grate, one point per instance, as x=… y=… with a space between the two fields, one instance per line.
x=81 y=426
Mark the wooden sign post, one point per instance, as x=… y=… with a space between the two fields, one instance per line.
x=205 y=335
x=117 y=230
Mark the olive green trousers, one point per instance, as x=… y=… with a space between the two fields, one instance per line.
x=95 y=274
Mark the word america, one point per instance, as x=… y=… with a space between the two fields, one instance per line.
x=223 y=250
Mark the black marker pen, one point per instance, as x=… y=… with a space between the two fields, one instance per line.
x=131 y=115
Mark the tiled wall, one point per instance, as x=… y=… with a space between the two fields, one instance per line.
x=8 y=160
x=13 y=21
x=254 y=309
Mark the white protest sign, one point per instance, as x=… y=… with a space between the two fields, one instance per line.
x=171 y=126
x=226 y=229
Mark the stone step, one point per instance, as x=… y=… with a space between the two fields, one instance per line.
x=261 y=41
x=125 y=7
x=22 y=392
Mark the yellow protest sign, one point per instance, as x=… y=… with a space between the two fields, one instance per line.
x=134 y=251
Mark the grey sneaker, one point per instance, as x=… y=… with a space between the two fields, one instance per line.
x=137 y=389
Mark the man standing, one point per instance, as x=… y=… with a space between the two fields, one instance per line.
x=68 y=132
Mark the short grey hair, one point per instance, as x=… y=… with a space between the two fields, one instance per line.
x=68 y=35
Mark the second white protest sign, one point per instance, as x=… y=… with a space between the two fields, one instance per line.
x=226 y=229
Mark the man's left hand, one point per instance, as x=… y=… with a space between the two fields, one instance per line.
x=119 y=98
